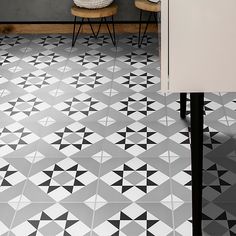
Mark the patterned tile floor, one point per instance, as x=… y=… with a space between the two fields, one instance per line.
x=89 y=145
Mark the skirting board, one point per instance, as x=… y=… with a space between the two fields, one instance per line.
x=68 y=28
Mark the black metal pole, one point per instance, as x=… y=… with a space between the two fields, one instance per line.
x=139 y=31
x=113 y=28
x=73 y=36
x=91 y=27
x=145 y=30
x=183 y=101
x=197 y=105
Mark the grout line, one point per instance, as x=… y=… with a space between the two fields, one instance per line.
x=65 y=65
x=23 y=189
x=96 y=195
x=106 y=122
x=19 y=61
x=114 y=202
x=171 y=186
x=2 y=92
x=36 y=148
x=112 y=80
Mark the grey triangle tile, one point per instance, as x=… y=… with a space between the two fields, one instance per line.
x=222 y=155
x=6 y=218
x=105 y=213
x=110 y=195
x=227 y=196
x=63 y=179
x=83 y=213
x=28 y=219
x=12 y=189
x=228 y=97
x=34 y=194
x=161 y=212
x=135 y=179
x=182 y=217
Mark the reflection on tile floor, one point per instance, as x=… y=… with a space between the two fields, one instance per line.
x=90 y=146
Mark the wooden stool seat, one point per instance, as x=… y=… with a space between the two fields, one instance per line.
x=146 y=5
x=102 y=13
x=110 y=10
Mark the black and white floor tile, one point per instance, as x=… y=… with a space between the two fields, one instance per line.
x=90 y=146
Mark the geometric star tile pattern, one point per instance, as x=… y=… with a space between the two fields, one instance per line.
x=138 y=59
x=7 y=58
x=34 y=81
x=89 y=145
x=14 y=137
x=86 y=80
x=52 y=41
x=136 y=138
x=91 y=59
x=134 y=179
x=44 y=59
x=212 y=138
x=24 y=106
x=80 y=106
x=137 y=106
x=56 y=219
x=133 y=220
x=72 y=139
x=138 y=80
x=9 y=176
x=133 y=40
x=62 y=179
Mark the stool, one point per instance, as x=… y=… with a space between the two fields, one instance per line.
x=101 y=13
x=153 y=8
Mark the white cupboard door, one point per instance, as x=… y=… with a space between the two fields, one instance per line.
x=201 y=53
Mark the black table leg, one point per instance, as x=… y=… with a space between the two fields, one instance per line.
x=197 y=104
x=183 y=101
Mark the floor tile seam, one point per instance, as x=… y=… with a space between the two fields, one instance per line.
x=60 y=78
x=38 y=51
x=2 y=91
x=32 y=36
x=111 y=86
x=23 y=189
x=171 y=194
x=166 y=112
x=130 y=158
x=215 y=201
x=142 y=121
x=20 y=59
x=128 y=201
x=63 y=72
x=24 y=186
x=226 y=116
x=67 y=61
x=97 y=189
x=182 y=156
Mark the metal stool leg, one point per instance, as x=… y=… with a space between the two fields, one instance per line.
x=145 y=30
x=73 y=43
x=183 y=101
x=95 y=35
x=156 y=18
x=74 y=37
x=113 y=38
x=139 y=31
